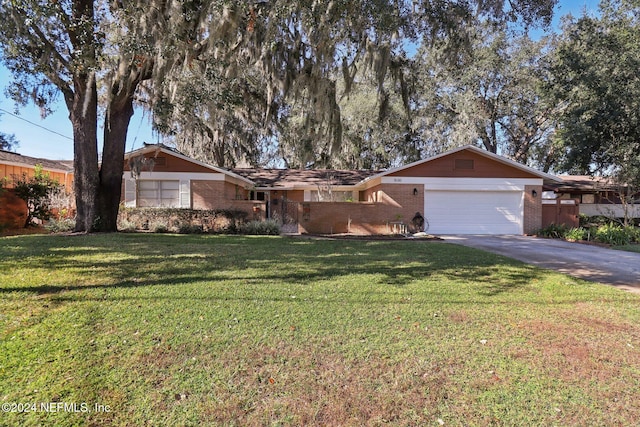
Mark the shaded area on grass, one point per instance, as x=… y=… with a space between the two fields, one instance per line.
x=155 y=262
x=231 y=330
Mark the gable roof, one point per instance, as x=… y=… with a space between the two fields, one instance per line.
x=151 y=148
x=305 y=178
x=474 y=149
x=16 y=159
x=296 y=178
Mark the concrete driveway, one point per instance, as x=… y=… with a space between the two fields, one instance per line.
x=594 y=263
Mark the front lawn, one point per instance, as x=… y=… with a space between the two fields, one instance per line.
x=130 y=329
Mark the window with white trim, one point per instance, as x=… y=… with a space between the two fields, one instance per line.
x=158 y=194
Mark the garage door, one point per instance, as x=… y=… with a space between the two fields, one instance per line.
x=474 y=212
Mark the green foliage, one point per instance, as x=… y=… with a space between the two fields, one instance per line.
x=556 y=231
x=576 y=234
x=62 y=225
x=190 y=229
x=159 y=228
x=489 y=94
x=185 y=221
x=615 y=235
x=8 y=142
x=265 y=228
x=608 y=233
x=36 y=191
x=595 y=79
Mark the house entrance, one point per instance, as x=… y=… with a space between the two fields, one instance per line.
x=284 y=211
x=289 y=216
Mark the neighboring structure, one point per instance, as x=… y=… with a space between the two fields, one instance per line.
x=12 y=166
x=596 y=196
x=464 y=191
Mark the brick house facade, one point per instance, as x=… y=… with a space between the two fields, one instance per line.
x=466 y=190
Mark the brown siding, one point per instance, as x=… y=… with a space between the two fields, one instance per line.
x=483 y=167
x=165 y=162
x=11 y=172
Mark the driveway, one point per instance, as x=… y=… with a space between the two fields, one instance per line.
x=594 y=263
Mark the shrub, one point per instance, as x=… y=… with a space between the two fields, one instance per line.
x=159 y=228
x=614 y=234
x=128 y=226
x=269 y=227
x=576 y=234
x=190 y=229
x=556 y=231
x=36 y=191
x=63 y=225
x=182 y=220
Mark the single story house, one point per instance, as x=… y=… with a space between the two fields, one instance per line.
x=13 y=210
x=463 y=191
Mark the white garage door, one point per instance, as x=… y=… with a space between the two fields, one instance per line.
x=474 y=212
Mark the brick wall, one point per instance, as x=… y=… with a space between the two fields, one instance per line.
x=385 y=207
x=211 y=195
x=532 y=220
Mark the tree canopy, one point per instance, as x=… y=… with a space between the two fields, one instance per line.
x=596 y=82
x=225 y=78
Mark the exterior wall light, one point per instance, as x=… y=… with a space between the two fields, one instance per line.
x=415 y=191
x=534 y=193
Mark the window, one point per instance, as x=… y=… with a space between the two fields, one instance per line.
x=331 y=196
x=464 y=164
x=588 y=198
x=156 y=194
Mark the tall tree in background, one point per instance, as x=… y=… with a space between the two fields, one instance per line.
x=596 y=80
x=280 y=71
x=8 y=142
x=489 y=94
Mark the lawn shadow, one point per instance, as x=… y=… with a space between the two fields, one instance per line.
x=132 y=261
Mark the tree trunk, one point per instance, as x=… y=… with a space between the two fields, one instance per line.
x=115 y=137
x=117 y=121
x=84 y=119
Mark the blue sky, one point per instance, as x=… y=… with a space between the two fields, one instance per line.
x=37 y=142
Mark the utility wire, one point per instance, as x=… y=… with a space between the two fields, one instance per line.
x=35 y=124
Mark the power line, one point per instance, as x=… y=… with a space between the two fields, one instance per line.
x=35 y=124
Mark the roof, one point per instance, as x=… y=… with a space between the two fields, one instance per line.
x=305 y=178
x=480 y=151
x=50 y=165
x=149 y=148
x=296 y=178
x=583 y=183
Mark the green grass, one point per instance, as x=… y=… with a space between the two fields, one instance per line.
x=231 y=330
x=634 y=247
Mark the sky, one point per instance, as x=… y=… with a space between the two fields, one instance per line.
x=51 y=137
